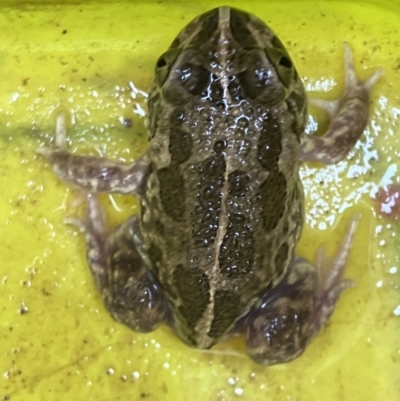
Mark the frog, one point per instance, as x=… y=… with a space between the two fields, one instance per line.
x=211 y=252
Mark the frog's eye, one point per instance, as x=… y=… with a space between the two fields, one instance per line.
x=258 y=77
x=193 y=77
x=284 y=66
x=164 y=64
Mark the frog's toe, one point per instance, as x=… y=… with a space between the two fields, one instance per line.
x=60 y=139
x=329 y=106
x=351 y=80
x=94 y=227
x=330 y=281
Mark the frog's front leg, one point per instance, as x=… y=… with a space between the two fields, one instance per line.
x=293 y=313
x=349 y=117
x=93 y=174
x=121 y=271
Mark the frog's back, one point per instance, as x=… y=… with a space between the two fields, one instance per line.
x=222 y=210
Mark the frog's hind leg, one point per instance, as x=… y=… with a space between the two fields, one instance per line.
x=121 y=272
x=294 y=312
x=92 y=174
x=349 y=117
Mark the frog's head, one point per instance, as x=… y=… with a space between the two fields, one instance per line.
x=226 y=55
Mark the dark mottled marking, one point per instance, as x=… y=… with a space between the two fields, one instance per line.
x=226 y=310
x=269 y=145
x=236 y=257
x=193 y=289
x=209 y=26
x=205 y=216
x=159 y=227
x=281 y=258
x=172 y=192
x=286 y=226
x=205 y=233
x=180 y=145
x=238 y=183
x=265 y=258
x=176 y=43
x=276 y=42
x=238 y=25
x=273 y=196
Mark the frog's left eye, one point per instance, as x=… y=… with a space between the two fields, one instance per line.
x=283 y=64
x=193 y=77
x=164 y=64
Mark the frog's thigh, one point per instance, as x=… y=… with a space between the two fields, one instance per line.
x=121 y=273
x=299 y=307
x=349 y=117
x=93 y=174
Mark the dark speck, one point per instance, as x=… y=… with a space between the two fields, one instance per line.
x=23 y=309
x=64 y=31
x=45 y=292
x=127 y=122
x=25 y=81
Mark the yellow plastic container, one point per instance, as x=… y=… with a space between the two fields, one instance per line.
x=57 y=341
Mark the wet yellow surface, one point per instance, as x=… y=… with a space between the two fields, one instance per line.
x=57 y=341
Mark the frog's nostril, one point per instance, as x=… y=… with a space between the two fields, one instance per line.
x=161 y=62
x=285 y=62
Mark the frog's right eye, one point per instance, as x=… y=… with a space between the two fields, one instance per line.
x=164 y=64
x=258 y=77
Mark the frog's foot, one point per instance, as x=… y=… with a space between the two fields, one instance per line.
x=92 y=174
x=349 y=117
x=293 y=313
x=121 y=272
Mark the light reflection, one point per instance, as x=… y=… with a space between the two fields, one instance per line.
x=320 y=85
x=387 y=177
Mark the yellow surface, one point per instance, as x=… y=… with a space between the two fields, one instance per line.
x=57 y=342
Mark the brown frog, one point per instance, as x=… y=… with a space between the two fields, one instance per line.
x=212 y=251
